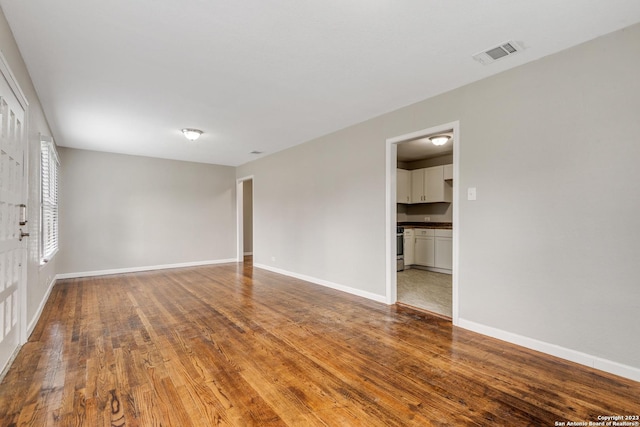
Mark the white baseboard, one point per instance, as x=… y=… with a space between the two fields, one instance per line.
x=4 y=369
x=145 y=268
x=36 y=316
x=434 y=269
x=326 y=283
x=589 y=360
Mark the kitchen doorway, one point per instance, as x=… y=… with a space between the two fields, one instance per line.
x=244 y=205
x=428 y=278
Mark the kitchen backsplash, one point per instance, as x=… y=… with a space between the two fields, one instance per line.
x=437 y=212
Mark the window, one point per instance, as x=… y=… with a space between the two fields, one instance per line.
x=49 y=165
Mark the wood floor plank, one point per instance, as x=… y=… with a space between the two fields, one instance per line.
x=231 y=345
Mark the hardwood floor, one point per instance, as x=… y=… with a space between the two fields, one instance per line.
x=233 y=345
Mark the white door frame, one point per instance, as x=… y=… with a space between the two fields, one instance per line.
x=240 y=215
x=391 y=179
x=5 y=70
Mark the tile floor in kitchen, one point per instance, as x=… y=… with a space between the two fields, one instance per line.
x=426 y=290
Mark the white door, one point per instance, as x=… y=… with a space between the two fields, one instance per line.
x=12 y=197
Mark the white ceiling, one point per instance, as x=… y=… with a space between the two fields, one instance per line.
x=423 y=148
x=125 y=76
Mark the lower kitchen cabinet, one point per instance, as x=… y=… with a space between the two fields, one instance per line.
x=444 y=249
x=432 y=248
x=409 y=247
x=424 y=249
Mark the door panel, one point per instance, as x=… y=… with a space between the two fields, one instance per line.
x=12 y=249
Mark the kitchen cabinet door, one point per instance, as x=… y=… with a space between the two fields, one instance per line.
x=409 y=247
x=403 y=194
x=417 y=186
x=444 y=252
x=448 y=172
x=424 y=248
x=428 y=186
x=434 y=184
x=425 y=251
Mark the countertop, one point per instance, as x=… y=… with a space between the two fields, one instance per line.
x=438 y=225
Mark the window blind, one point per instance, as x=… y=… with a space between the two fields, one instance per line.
x=49 y=165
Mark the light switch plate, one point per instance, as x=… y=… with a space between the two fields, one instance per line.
x=471 y=193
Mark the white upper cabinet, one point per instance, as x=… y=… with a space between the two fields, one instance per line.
x=417 y=186
x=448 y=172
x=434 y=184
x=428 y=186
x=403 y=194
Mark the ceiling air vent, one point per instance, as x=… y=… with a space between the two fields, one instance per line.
x=495 y=53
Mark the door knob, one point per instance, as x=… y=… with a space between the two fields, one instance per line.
x=22 y=235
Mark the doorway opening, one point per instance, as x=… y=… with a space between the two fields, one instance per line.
x=245 y=219
x=422 y=213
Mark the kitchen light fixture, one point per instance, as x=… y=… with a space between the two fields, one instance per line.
x=191 y=134
x=439 y=139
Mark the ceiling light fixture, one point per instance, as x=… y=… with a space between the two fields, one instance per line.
x=191 y=134
x=439 y=139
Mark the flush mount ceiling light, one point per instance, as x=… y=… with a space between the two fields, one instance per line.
x=439 y=139
x=191 y=134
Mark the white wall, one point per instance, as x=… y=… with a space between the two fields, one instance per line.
x=39 y=278
x=550 y=248
x=123 y=212
x=314 y=213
